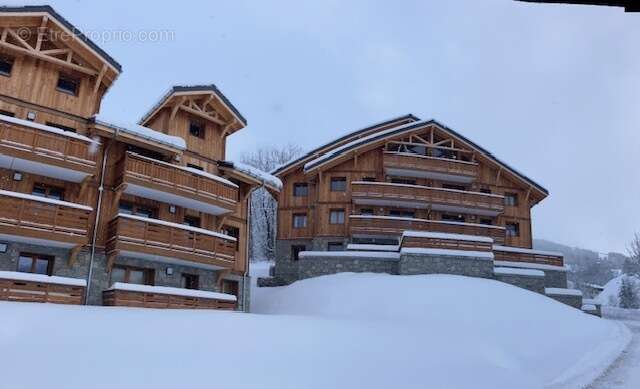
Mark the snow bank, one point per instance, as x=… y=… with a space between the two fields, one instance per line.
x=20 y=276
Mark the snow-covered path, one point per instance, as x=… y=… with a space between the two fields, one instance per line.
x=625 y=372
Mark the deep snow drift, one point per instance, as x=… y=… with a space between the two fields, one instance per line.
x=346 y=330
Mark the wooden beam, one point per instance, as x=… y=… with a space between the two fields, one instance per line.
x=175 y=108
x=47 y=58
x=41 y=30
x=220 y=277
x=202 y=115
x=96 y=86
x=220 y=222
x=498 y=175
x=73 y=255
x=84 y=185
x=119 y=191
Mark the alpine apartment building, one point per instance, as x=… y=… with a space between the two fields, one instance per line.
x=147 y=214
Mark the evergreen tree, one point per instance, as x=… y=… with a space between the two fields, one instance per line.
x=628 y=295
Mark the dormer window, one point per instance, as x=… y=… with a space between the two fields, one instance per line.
x=6 y=65
x=68 y=84
x=196 y=129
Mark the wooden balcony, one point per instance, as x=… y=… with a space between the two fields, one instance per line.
x=46 y=150
x=162 y=241
x=414 y=165
x=425 y=197
x=32 y=218
x=361 y=225
x=173 y=184
x=165 y=298
x=26 y=287
x=516 y=254
x=437 y=240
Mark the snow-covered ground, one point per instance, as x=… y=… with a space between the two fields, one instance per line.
x=609 y=296
x=346 y=330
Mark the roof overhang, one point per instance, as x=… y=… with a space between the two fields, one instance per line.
x=228 y=169
x=114 y=132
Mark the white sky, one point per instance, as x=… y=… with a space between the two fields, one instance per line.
x=553 y=90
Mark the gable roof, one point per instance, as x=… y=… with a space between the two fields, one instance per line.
x=406 y=128
x=35 y=9
x=337 y=142
x=183 y=89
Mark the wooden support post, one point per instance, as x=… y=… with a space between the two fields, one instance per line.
x=220 y=222
x=73 y=255
x=111 y=260
x=84 y=185
x=119 y=191
x=220 y=278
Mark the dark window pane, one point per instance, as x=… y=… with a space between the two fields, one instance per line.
x=136 y=277
x=335 y=246
x=192 y=166
x=338 y=184
x=366 y=211
x=126 y=208
x=230 y=287
x=404 y=181
x=24 y=264
x=299 y=221
x=368 y=179
x=511 y=199
x=42 y=266
x=192 y=221
x=196 y=129
x=453 y=218
x=296 y=250
x=300 y=190
x=6 y=65
x=68 y=85
x=118 y=275
x=55 y=193
x=336 y=216
x=190 y=281
x=454 y=187
x=144 y=212
x=60 y=126
x=39 y=190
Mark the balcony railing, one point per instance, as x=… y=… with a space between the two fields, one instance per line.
x=437 y=240
x=140 y=235
x=143 y=296
x=47 y=145
x=516 y=254
x=395 y=226
x=416 y=196
x=162 y=181
x=38 y=288
x=30 y=216
x=406 y=164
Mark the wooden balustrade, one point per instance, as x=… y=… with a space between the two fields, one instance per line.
x=381 y=193
x=149 y=236
x=527 y=256
x=176 y=180
x=388 y=225
x=48 y=147
x=468 y=171
x=446 y=243
x=26 y=216
x=127 y=298
x=40 y=292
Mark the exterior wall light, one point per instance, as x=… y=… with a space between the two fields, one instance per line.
x=31 y=115
x=17 y=176
x=172 y=209
x=169 y=271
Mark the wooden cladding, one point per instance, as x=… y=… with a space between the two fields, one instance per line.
x=419 y=163
x=528 y=257
x=47 y=147
x=446 y=243
x=43 y=220
x=385 y=226
x=148 y=236
x=126 y=298
x=415 y=196
x=176 y=180
x=40 y=292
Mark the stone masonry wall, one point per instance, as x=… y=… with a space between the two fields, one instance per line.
x=574 y=301
x=436 y=264
x=315 y=266
x=532 y=283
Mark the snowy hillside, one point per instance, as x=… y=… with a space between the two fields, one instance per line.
x=342 y=331
x=609 y=296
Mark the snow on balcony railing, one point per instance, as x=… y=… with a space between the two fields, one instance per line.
x=20 y=276
x=172 y=291
x=26 y=196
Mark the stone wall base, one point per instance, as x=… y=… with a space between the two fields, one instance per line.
x=573 y=301
x=532 y=283
x=439 y=264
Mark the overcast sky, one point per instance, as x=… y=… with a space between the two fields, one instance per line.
x=553 y=90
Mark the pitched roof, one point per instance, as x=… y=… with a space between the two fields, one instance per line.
x=194 y=88
x=76 y=32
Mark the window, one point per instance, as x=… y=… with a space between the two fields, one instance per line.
x=336 y=216
x=487 y=222
x=513 y=229
x=132 y=275
x=190 y=281
x=233 y=232
x=338 y=184
x=300 y=189
x=135 y=209
x=192 y=166
x=366 y=211
x=485 y=190
x=230 y=287
x=454 y=187
x=193 y=221
x=35 y=263
x=196 y=129
x=453 y=218
x=368 y=179
x=60 y=126
x=7 y=113
x=296 y=250
x=48 y=191
x=401 y=213
x=404 y=181
x=6 y=65
x=68 y=84
x=335 y=246
x=511 y=199
x=299 y=220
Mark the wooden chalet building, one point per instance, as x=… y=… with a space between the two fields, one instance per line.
x=145 y=214
x=376 y=199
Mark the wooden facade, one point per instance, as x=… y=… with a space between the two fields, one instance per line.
x=404 y=174
x=125 y=192
x=127 y=298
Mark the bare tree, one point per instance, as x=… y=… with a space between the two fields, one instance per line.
x=263 y=205
x=632 y=265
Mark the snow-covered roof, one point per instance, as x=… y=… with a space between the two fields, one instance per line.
x=20 y=276
x=176 y=225
x=350 y=254
x=562 y=292
x=373 y=247
x=425 y=187
x=45 y=200
x=526 y=251
x=43 y=127
x=172 y=291
x=188 y=169
x=528 y=265
x=589 y=307
x=262 y=176
x=518 y=272
x=484 y=255
x=413 y=219
x=144 y=133
x=442 y=235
